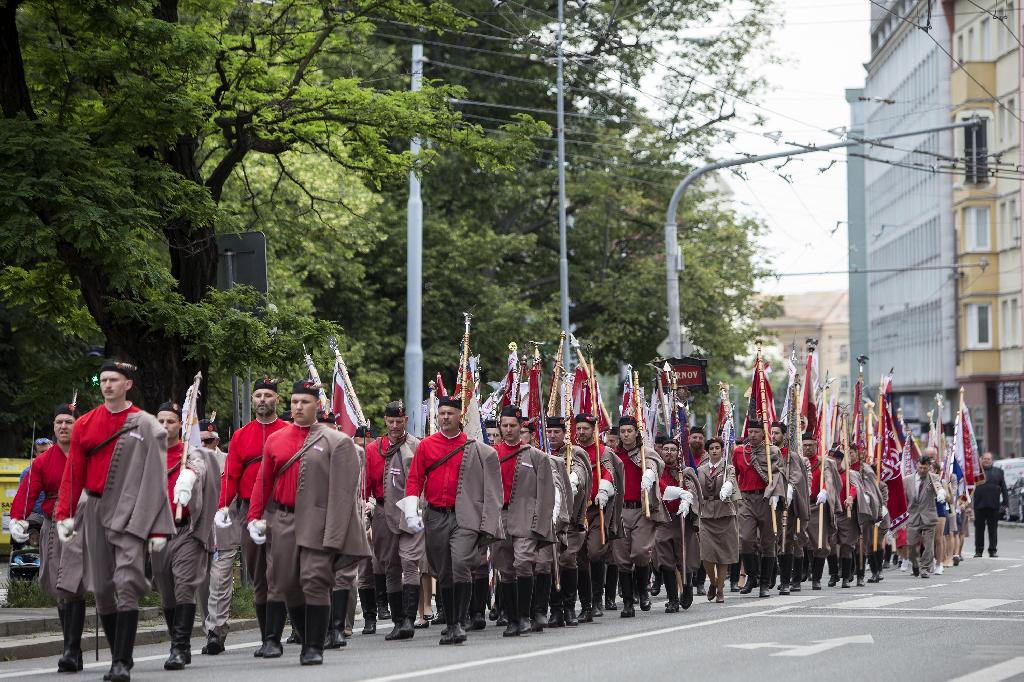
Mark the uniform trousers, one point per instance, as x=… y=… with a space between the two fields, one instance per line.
x=575 y=540
x=61 y=567
x=795 y=541
x=636 y=547
x=296 y=575
x=826 y=528
x=214 y=593
x=180 y=568
x=452 y=551
x=847 y=533
x=925 y=535
x=755 y=523
x=255 y=556
x=115 y=562
x=399 y=555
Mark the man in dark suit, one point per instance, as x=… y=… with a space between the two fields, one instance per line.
x=990 y=499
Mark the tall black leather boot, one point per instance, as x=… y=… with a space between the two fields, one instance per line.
x=124 y=646
x=297 y=617
x=570 y=579
x=785 y=573
x=448 y=600
x=626 y=581
x=410 y=606
x=368 y=603
x=556 y=618
x=597 y=587
x=261 y=618
x=181 y=637
x=847 y=566
x=753 y=569
x=797 y=573
x=74 y=622
x=539 y=603
x=767 y=565
x=397 y=608
x=524 y=600
x=336 y=624
x=462 y=592
x=276 y=612
x=586 y=592
x=668 y=577
x=380 y=590
x=642 y=580
x=698 y=581
x=314 y=634
x=611 y=577
x=478 y=604
x=734 y=577
x=510 y=602
x=817 y=568
x=686 y=598
x=808 y=562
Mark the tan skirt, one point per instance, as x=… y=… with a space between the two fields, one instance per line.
x=719 y=540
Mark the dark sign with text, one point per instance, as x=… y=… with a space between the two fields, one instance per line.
x=690 y=373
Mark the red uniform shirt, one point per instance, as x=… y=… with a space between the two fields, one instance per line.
x=606 y=475
x=280 y=447
x=90 y=472
x=508 y=467
x=746 y=475
x=43 y=477
x=815 y=476
x=441 y=486
x=842 y=489
x=633 y=476
x=373 y=481
x=173 y=460
x=245 y=452
x=668 y=477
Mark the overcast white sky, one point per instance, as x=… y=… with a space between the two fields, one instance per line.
x=825 y=45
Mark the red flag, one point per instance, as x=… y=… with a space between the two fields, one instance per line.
x=346 y=417
x=761 y=405
x=809 y=410
x=440 y=385
x=533 y=401
x=627 y=407
x=892 y=458
x=858 y=417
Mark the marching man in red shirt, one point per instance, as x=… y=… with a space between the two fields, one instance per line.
x=245 y=453
x=459 y=481
x=118 y=458
x=307 y=498
x=60 y=572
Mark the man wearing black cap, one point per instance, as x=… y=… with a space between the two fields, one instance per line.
x=245 y=453
x=696 y=441
x=779 y=436
x=847 y=527
x=825 y=484
x=679 y=487
x=529 y=508
x=574 y=462
x=308 y=499
x=215 y=591
x=193 y=486
x=491 y=429
x=60 y=571
x=370 y=571
x=759 y=504
x=591 y=557
x=396 y=547
x=632 y=553
x=117 y=456
x=460 y=483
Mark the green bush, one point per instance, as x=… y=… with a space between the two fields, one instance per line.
x=26 y=594
x=242 y=602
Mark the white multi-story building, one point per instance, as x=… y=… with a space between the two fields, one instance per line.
x=911 y=313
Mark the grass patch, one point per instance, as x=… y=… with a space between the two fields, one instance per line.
x=242 y=602
x=26 y=594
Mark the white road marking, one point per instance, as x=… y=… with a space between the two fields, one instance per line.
x=881 y=601
x=817 y=647
x=976 y=575
x=994 y=570
x=745 y=604
x=995 y=673
x=1016 y=565
x=963 y=580
x=856 y=616
x=973 y=605
x=562 y=649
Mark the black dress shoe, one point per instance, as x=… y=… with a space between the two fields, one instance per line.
x=610 y=605
x=627 y=611
x=733 y=586
x=671 y=606
x=833 y=580
x=815 y=584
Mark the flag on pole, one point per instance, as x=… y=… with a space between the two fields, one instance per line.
x=892 y=460
x=809 y=406
x=343 y=404
x=761 y=405
x=626 y=408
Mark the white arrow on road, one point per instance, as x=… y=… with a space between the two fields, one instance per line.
x=816 y=647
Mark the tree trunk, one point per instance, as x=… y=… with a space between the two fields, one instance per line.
x=14 y=95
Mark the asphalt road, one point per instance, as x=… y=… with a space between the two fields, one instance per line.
x=964 y=625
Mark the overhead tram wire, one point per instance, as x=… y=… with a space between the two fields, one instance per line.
x=927 y=32
x=1001 y=19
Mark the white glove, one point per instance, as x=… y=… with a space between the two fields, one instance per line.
x=605 y=491
x=822 y=496
x=257 y=531
x=885 y=512
x=684 y=508
x=19 y=530
x=672 y=492
x=157 y=545
x=410 y=507
x=183 y=487
x=773 y=502
x=66 y=529
x=371 y=504
x=574 y=481
x=789 y=492
x=726 y=491
x=558 y=506
x=941 y=496
x=222 y=519
x=647 y=482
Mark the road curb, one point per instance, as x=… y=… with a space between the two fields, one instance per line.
x=50 y=623
x=19 y=648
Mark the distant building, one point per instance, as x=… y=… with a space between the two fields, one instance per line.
x=821 y=315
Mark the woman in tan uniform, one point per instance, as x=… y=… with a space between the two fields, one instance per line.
x=719 y=538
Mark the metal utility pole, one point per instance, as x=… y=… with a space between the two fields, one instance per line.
x=673 y=258
x=414 y=278
x=563 y=249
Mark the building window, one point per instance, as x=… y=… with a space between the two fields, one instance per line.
x=1009 y=117
x=961 y=57
x=983 y=40
x=844 y=352
x=979 y=325
x=1015 y=322
x=1004 y=323
x=976 y=228
x=970 y=44
x=1002 y=228
x=844 y=384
